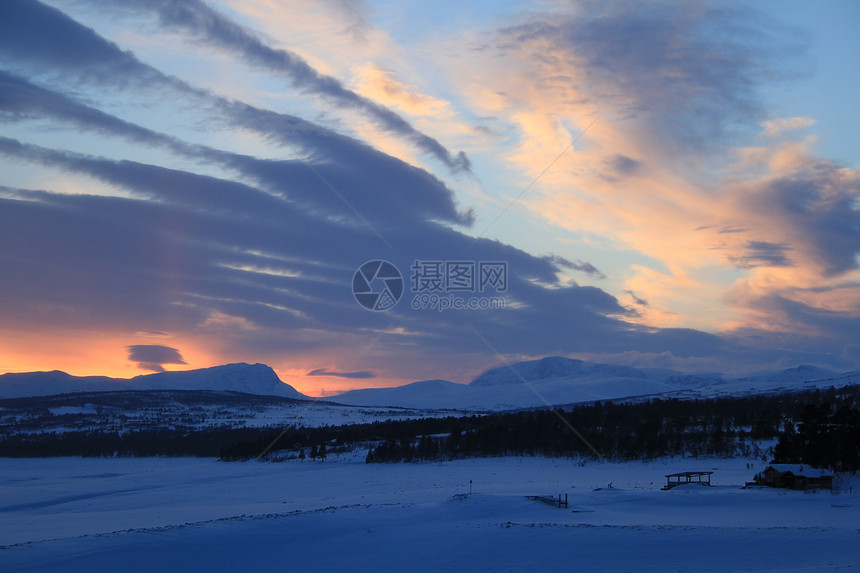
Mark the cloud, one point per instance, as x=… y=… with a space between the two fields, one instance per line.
x=584 y=267
x=774 y=127
x=361 y=374
x=762 y=253
x=323 y=146
x=204 y=24
x=153 y=356
x=688 y=71
x=21 y=99
x=219 y=245
x=73 y=49
x=623 y=165
x=636 y=299
x=382 y=85
x=816 y=208
x=664 y=171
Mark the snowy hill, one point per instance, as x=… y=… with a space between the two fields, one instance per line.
x=247 y=378
x=440 y=393
x=556 y=380
x=553 y=380
x=553 y=367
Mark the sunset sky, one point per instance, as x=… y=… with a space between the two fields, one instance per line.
x=186 y=184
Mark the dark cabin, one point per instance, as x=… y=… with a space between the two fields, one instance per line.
x=795 y=476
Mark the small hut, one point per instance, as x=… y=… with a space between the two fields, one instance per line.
x=681 y=478
x=795 y=476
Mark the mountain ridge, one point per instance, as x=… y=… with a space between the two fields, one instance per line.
x=237 y=377
x=552 y=380
x=556 y=380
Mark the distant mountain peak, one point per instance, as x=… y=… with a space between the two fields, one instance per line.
x=239 y=377
x=549 y=367
x=553 y=367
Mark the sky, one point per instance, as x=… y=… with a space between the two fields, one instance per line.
x=658 y=184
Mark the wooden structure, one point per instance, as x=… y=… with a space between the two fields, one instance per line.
x=550 y=500
x=682 y=478
x=794 y=476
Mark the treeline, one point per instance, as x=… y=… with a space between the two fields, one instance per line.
x=227 y=443
x=697 y=428
x=827 y=436
x=714 y=427
x=619 y=431
x=139 y=443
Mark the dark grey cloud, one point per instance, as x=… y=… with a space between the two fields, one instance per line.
x=688 y=71
x=636 y=299
x=763 y=254
x=584 y=267
x=202 y=23
x=31 y=32
x=819 y=207
x=623 y=165
x=400 y=191
x=154 y=356
x=360 y=374
x=166 y=265
x=21 y=99
x=391 y=184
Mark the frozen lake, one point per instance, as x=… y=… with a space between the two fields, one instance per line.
x=180 y=514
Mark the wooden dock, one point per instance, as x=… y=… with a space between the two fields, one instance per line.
x=550 y=500
x=684 y=478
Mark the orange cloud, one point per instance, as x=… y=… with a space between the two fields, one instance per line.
x=724 y=226
x=381 y=85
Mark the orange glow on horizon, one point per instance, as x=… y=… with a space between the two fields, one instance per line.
x=88 y=353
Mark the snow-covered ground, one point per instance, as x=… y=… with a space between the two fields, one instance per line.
x=182 y=514
x=194 y=410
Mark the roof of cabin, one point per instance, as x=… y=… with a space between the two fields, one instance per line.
x=801 y=470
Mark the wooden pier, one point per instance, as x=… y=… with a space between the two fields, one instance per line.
x=682 y=478
x=550 y=500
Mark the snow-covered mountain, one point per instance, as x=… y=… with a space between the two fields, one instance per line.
x=247 y=378
x=439 y=393
x=552 y=367
x=549 y=381
x=557 y=380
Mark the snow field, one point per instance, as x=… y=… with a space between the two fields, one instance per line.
x=180 y=514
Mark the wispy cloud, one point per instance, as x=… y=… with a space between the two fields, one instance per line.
x=199 y=21
x=774 y=127
x=359 y=374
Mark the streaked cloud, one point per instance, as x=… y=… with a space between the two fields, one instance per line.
x=773 y=127
x=202 y=23
x=359 y=374
x=674 y=231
